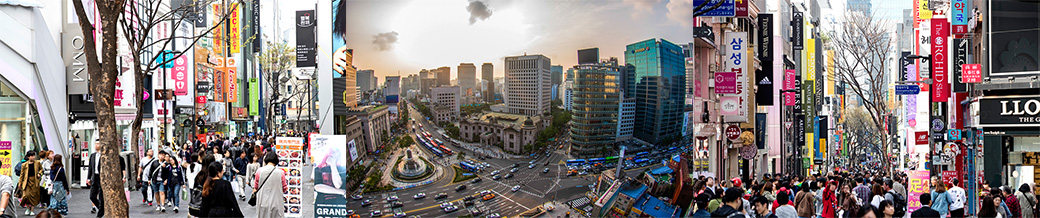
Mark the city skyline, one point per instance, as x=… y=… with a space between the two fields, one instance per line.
x=406 y=42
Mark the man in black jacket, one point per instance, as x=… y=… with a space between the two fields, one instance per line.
x=732 y=203
x=926 y=207
x=96 y=196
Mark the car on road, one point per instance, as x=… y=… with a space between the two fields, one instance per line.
x=366 y=202
x=391 y=198
x=460 y=188
x=450 y=209
x=441 y=195
x=476 y=180
x=399 y=215
x=494 y=172
x=396 y=204
x=446 y=205
x=515 y=165
x=377 y=213
x=516 y=188
x=469 y=198
x=494 y=215
x=350 y=212
x=476 y=212
x=496 y=177
x=530 y=166
x=546 y=170
x=489 y=196
x=510 y=175
x=467 y=203
x=419 y=196
x=356 y=197
x=513 y=170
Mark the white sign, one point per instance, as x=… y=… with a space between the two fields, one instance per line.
x=737 y=60
x=352 y=148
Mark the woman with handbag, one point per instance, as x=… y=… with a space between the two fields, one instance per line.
x=218 y=200
x=30 y=182
x=45 y=164
x=173 y=176
x=59 y=192
x=270 y=187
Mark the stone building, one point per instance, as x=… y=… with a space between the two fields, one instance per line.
x=511 y=131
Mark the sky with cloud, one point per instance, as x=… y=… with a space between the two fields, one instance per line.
x=391 y=36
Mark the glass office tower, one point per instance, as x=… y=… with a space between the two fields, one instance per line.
x=658 y=83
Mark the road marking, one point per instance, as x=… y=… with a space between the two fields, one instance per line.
x=507 y=198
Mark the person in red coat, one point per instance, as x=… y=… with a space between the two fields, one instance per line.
x=830 y=200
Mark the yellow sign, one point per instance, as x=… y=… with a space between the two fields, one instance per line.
x=829 y=89
x=5 y=157
x=235 y=31
x=922 y=10
x=810 y=57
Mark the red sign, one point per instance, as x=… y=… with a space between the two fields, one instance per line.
x=741 y=8
x=948 y=176
x=201 y=138
x=232 y=83
x=789 y=99
x=725 y=83
x=732 y=132
x=941 y=83
x=921 y=138
x=971 y=73
x=200 y=99
x=180 y=75
x=789 y=77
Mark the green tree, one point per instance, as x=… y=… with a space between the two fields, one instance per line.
x=406 y=141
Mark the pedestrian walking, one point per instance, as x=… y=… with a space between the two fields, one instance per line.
x=959 y=198
x=145 y=166
x=877 y=194
x=7 y=208
x=29 y=184
x=59 y=190
x=240 y=173
x=45 y=163
x=158 y=183
x=887 y=209
x=218 y=199
x=1012 y=202
x=803 y=202
x=1026 y=200
x=251 y=169
x=270 y=186
x=173 y=177
x=940 y=199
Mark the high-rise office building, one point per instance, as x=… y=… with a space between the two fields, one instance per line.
x=350 y=92
x=446 y=101
x=626 y=118
x=443 y=76
x=859 y=5
x=527 y=85
x=487 y=73
x=557 y=74
x=596 y=98
x=468 y=78
x=366 y=80
x=658 y=82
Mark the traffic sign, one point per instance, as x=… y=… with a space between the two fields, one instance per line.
x=907 y=89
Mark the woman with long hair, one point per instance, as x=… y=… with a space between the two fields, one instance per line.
x=45 y=164
x=59 y=193
x=173 y=177
x=269 y=183
x=888 y=209
x=29 y=182
x=989 y=208
x=877 y=194
x=940 y=199
x=218 y=200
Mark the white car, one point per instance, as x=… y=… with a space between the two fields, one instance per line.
x=446 y=205
x=494 y=172
x=451 y=208
x=420 y=195
x=513 y=170
x=391 y=198
x=516 y=188
x=530 y=166
x=377 y=213
x=399 y=215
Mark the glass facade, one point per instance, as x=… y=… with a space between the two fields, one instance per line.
x=657 y=82
x=596 y=95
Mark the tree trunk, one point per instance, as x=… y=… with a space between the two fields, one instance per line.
x=135 y=127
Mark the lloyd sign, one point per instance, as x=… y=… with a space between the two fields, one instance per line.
x=1010 y=111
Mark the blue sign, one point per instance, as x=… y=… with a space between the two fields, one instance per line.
x=163 y=56
x=727 y=9
x=907 y=89
x=953 y=134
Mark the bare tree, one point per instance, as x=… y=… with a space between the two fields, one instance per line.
x=103 y=87
x=861 y=46
x=275 y=62
x=140 y=25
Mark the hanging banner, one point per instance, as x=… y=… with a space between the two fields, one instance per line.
x=290 y=154
x=918 y=184
x=765 y=37
x=232 y=84
x=760 y=130
x=971 y=73
x=960 y=17
x=764 y=81
x=726 y=9
x=330 y=175
x=305 y=43
x=254 y=97
x=960 y=57
x=235 y=29
x=737 y=62
x=180 y=75
x=741 y=8
x=789 y=79
x=940 y=84
x=219 y=81
x=796 y=30
x=5 y=156
x=789 y=99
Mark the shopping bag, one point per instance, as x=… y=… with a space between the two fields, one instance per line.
x=236 y=187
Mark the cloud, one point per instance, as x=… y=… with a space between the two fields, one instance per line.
x=478 y=10
x=385 y=41
x=641 y=7
x=680 y=11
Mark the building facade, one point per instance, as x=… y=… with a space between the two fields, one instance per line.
x=468 y=78
x=626 y=118
x=596 y=98
x=445 y=103
x=443 y=76
x=375 y=125
x=509 y=131
x=658 y=82
x=487 y=73
x=366 y=80
x=528 y=85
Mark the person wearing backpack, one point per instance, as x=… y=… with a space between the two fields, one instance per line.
x=145 y=166
x=158 y=183
x=958 y=195
x=940 y=199
x=898 y=200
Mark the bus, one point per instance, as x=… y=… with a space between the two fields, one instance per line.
x=468 y=166
x=445 y=149
x=641 y=160
x=596 y=160
x=573 y=162
x=430 y=147
x=641 y=154
x=612 y=159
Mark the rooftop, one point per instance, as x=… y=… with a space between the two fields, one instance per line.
x=633 y=189
x=654 y=207
x=504 y=119
x=367 y=108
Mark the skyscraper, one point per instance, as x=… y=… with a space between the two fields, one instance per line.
x=443 y=76
x=467 y=78
x=527 y=85
x=658 y=82
x=366 y=80
x=557 y=74
x=596 y=98
x=350 y=92
x=487 y=73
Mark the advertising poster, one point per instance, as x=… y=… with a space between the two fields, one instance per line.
x=330 y=175
x=725 y=83
x=254 y=97
x=918 y=184
x=290 y=153
x=305 y=43
x=180 y=75
x=941 y=85
x=5 y=156
x=235 y=29
x=737 y=61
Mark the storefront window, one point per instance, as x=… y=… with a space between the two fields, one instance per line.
x=12 y=121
